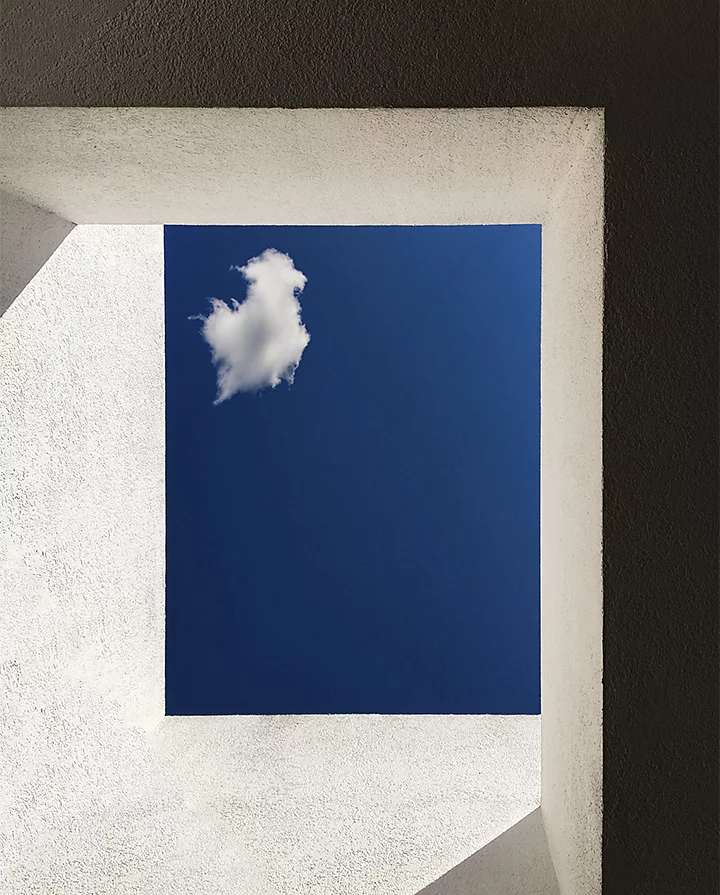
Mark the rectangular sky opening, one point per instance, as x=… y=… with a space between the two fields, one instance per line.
x=352 y=469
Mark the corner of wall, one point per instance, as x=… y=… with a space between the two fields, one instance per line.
x=515 y=863
x=28 y=237
x=571 y=518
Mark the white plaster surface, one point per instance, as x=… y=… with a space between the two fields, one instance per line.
x=99 y=793
x=281 y=166
x=515 y=863
x=28 y=236
x=571 y=520
x=82 y=428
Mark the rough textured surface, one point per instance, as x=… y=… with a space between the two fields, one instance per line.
x=275 y=166
x=82 y=537
x=99 y=792
x=570 y=142
x=32 y=42
x=490 y=160
x=376 y=804
x=653 y=67
x=28 y=236
x=516 y=863
x=571 y=519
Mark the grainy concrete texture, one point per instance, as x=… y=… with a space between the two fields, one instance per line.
x=653 y=68
x=28 y=236
x=99 y=792
x=273 y=166
x=515 y=863
x=433 y=166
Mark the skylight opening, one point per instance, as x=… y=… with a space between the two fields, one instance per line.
x=353 y=469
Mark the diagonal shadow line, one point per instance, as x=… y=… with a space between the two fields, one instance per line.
x=517 y=862
x=29 y=235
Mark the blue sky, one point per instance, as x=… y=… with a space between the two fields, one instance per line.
x=366 y=539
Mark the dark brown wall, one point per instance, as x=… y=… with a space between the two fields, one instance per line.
x=654 y=67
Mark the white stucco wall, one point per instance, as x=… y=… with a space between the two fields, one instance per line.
x=289 y=166
x=571 y=520
x=28 y=236
x=99 y=793
x=516 y=863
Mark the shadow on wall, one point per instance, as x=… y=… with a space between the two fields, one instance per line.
x=515 y=863
x=28 y=237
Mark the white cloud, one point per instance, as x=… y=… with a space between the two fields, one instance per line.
x=259 y=342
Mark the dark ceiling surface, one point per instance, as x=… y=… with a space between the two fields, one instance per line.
x=654 y=68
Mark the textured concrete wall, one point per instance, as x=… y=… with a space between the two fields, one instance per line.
x=34 y=44
x=275 y=166
x=28 y=236
x=654 y=69
x=571 y=520
x=99 y=793
x=516 y=863
x=492 y=166
x=224 y=166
